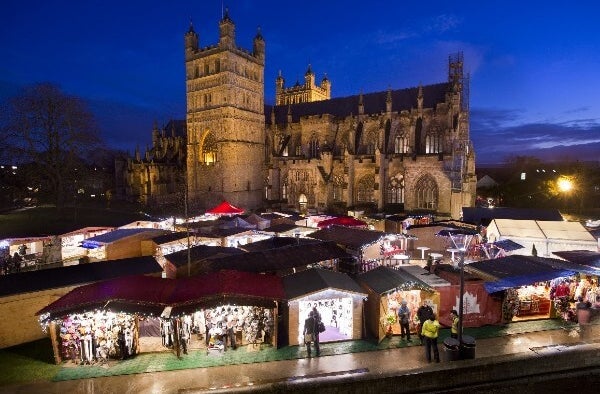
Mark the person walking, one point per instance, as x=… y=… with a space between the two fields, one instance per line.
x=430 y=332
x=404 y=319
x=318 y=326
x=423 y=314
x=309 y=332
x=454 y=327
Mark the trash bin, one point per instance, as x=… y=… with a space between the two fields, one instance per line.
x=467 y=348
x=451 y=349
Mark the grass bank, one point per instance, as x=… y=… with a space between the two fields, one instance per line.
x=48 y=220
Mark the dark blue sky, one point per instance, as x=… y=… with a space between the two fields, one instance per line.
x=534 y=67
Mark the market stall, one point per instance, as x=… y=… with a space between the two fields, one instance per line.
x=337 y=297
x=149 y=314
x=480 y=308
x=387 y=288
x=370 y=249
x=524 y=282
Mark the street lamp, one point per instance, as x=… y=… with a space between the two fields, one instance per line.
x=564 y=184
x=461 y=241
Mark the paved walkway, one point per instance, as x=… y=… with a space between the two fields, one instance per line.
x=218 y=378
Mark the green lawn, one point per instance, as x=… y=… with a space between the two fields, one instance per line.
x=48 y=220
x=34 y=362
x=27 y=363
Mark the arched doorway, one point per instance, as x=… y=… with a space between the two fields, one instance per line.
x=303 y=202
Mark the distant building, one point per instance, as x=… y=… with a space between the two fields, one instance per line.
x=156 y=176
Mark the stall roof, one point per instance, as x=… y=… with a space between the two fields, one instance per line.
x=276 y=242
x=515 y=271
x=225 y=208
x=147 y=293
x=507 y=245
x=353 y=238
x=226 y=232
x=314 y=280
x=255 y=219
x=152 y=294
x=563 y=230
x=283 y=258
x=420 y=273
x=199 y=253
x=170 y=237
x=53 y=278
x=585 y=261
x=120 y=233
x=480 y=215
x=347 y=221
x=234 y=222
x=226 y=286
x=384 y=279
x=572 y=231
x=281 y=228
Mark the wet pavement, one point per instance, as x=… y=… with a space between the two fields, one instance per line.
x=402 y=360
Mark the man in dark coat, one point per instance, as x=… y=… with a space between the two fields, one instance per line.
x=309 y=332
x=423 y=314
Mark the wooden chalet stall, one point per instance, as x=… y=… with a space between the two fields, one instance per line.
x=521 y=284
x=480 y=308
x=168 y=243
x=176 y=264
x=125 y=316
x=284 y=260
x=23 y=294
x=120 y=244
x=387 y=288
x=338 y=298
x=369 y=248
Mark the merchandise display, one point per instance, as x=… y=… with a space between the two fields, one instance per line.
x=233 y=325
x=413 y=300
x=534 y=300
x=92 y=337
x=336 y=315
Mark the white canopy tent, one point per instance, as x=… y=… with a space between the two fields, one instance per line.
x=547 y=236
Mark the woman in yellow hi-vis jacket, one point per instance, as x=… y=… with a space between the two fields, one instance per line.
x=430 y=330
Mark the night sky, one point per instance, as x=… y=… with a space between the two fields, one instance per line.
x=534 y=67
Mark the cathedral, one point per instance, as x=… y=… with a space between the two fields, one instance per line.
x=405 y=150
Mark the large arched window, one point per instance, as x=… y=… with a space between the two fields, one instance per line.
x=284 y=189
x=338 y=187
x=433 y=143
x=371 y=143
x=426 y=193
x=400 y=144
x=313 y=148
x=365 y=189
x=433 y=138
x=209 y=150
x=395 y=190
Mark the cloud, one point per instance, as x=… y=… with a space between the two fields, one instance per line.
x=496 y=135
x=443 y=23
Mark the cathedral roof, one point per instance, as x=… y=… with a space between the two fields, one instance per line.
x=374 y=103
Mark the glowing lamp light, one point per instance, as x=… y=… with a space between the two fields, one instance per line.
x=564 y=184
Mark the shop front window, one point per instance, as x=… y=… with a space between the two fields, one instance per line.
x=336 y=315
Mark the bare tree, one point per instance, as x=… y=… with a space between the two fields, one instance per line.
x=53 y=131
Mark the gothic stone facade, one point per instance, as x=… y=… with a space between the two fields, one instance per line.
x=155 y=177
x=397 y=150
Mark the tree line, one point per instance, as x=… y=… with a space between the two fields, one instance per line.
x=52 y=147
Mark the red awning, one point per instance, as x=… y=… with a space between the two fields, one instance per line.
x=347 y=221
x=150 y=295
x=225 y=208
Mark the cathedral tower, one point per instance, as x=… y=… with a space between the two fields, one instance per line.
x=225 y=120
